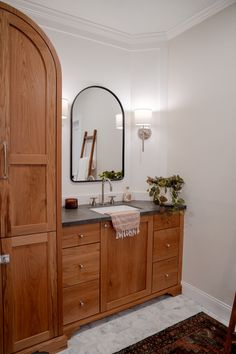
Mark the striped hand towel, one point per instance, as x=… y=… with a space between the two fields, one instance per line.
x=126 y=223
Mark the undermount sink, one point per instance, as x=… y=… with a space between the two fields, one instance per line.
x=113 y=208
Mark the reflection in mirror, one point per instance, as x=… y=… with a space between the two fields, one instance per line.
x=97 y=135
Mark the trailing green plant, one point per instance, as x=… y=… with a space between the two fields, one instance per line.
x=111 y=174
x=160 y=184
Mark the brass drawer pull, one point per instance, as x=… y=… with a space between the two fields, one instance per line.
x=168 y=245
x=167 y=275
x=81 y=303
x=81 y=266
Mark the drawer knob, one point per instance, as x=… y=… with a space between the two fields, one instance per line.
x=106 y=226
x=81 y=266
x=168 y=245
x=167 y=275
x=81 y=303
x=81 y=236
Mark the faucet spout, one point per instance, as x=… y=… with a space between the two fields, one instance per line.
x=105 y=179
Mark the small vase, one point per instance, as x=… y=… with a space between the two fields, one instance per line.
x=166 y=192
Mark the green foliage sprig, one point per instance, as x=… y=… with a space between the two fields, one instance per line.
x=111 y=175
x=175 y=183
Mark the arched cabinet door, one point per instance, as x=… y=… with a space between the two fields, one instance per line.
x=30 y=127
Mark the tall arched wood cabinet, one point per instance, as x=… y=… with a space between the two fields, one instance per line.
x=30 y=196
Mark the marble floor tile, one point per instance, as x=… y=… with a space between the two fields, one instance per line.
x=118 y=331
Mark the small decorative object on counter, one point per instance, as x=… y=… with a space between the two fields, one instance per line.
x=71 y=203
x=127 y=195
x=166 y=190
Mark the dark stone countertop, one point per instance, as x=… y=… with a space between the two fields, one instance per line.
x=83 y=215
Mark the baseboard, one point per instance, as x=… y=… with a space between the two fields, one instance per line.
x=219 y=308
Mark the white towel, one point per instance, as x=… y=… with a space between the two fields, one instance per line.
x=82 y=173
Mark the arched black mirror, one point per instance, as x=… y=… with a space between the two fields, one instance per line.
x=97 y=135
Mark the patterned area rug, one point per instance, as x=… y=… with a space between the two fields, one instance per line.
x=198 y=334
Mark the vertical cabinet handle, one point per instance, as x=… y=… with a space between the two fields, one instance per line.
x=5 y=170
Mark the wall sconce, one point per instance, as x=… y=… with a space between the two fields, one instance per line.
x=119 y=121
x=65 y=108
x=143 y=119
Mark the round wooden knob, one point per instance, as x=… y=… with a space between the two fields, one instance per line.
x=81 y=236
x=167 y=275
x=168 y=245
x=81 y=303
x=81 y=266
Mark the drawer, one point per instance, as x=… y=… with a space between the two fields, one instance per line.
x=80 y=264
x=165 y=244
x=164 y=274
x=80 y=301
x=166 y=221
x=80 y=235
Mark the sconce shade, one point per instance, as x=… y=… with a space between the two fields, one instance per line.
x=143 y=117
x=119 y=121
x=65 y=106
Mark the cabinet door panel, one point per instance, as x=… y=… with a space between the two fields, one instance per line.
x=166 y=244
x=80 y=235
x=30 y=130
x=80 y=264
x=126 y=265
x=29 y=290
x=81 y=301
x=166 y=220
x=165 y=274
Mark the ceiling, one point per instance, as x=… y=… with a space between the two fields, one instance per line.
x=131 y=19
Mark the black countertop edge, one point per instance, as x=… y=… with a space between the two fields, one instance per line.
x=83 y=214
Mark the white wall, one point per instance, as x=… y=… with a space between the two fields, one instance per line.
x=147 y=91
x=202 y=148
x=85 y=62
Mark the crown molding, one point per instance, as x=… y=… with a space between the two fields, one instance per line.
x=78 y=27
x=198 y=18
x=69 y=24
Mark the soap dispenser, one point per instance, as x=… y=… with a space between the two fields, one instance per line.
x=127 y=195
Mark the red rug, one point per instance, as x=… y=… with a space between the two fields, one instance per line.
x=197 y=334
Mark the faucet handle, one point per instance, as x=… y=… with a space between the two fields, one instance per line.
x=93 y=201
x=112 y=201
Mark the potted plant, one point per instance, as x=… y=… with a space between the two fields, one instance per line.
x=166 y=190
x=114 y=175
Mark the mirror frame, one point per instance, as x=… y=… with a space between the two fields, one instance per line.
x=123 y=134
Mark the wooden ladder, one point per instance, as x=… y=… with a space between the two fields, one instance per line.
x=85 y=140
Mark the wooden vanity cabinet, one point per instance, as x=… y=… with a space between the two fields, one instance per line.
x=81 y=272
x=167 y=251
x=126 y=265
x=103 y=275
x=30 y=187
